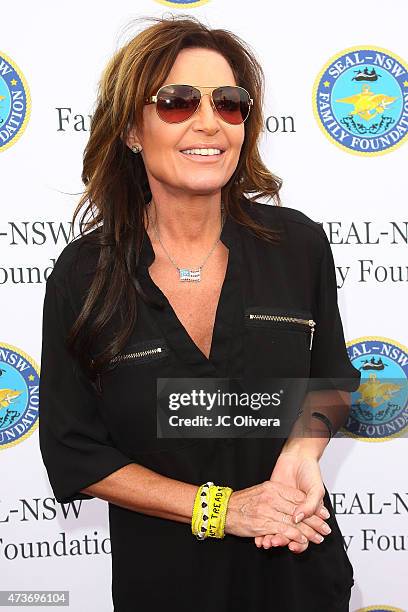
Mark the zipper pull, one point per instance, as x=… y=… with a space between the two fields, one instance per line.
x=312 y=326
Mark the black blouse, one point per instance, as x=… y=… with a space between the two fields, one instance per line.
x=87 y=433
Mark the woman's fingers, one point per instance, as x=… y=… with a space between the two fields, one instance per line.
x=309 y=526
x=311 y=534
x=286 y=529
x=323 y=512
x=289 y=499
x=287 y=493
x=290 y=531
x=297 y=548
x=313 y=528
x=317 y=524
x=285 y=499
x=270 y=541
x=315 y=535
x=266 y=508
x=280 y=540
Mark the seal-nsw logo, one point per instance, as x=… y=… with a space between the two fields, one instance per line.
x=15 y=102
x=379 y=408
x=360 y=100
x=19 y=395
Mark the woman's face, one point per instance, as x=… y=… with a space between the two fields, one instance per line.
x=167 y=167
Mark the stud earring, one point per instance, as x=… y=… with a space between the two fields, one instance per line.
x=136 y=148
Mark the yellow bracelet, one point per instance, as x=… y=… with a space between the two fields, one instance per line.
x=223 y=514
x=219 y=497
x=199 y=519
x=209 y=511
x=195 y=518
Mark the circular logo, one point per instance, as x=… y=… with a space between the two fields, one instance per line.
x=19 y=395
x=379 y=407
x=183 y=3
x=15 y=102
x=360 y=100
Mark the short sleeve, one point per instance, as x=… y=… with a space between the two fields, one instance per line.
x=331 y=367
x=74 y=442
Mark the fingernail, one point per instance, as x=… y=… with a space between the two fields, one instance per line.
x=326 y=529
x=325 y=513
x=319 y=539
x=299 y=517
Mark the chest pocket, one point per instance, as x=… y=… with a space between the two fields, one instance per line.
x=129 y=396
x=147 y=353
x=279 y=341
x=142 y=352
x=128 y=387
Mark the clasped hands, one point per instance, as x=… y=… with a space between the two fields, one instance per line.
x=299 y=499
x=270 y=511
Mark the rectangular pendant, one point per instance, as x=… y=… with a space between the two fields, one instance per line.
x=190 y=275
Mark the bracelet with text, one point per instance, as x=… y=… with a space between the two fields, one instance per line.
x=219 y=497
x=209 y=511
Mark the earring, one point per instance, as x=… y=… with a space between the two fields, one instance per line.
x=136 y=149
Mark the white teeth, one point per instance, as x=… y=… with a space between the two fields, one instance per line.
x=203 y=151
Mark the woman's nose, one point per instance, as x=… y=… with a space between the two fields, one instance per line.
x=206 y=111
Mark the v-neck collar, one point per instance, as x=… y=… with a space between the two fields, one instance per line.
x=229 y=236
x=225 y=318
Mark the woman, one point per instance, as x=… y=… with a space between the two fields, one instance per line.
x=172 y=151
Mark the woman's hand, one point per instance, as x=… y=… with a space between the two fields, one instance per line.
x=300 y=470
x=259 y=510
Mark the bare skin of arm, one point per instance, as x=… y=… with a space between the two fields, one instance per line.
x=138 y=488
x=251 y=512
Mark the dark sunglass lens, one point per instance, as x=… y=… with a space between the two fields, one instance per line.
x=176 y=103
x=232 y=103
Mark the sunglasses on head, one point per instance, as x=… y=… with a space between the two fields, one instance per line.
x=177 y=103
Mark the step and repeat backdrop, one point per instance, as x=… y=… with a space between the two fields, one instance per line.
x=336 y=131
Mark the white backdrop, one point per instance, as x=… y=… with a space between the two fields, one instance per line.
x=359 y=198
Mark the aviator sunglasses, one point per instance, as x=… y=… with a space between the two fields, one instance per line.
x=177 y=103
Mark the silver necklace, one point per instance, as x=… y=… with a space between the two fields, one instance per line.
x=191 y=274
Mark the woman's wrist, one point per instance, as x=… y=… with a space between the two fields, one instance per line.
x=306 y=446
x=309 y=436
x=232 y=513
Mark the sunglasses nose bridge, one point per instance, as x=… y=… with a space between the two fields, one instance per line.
x=209 y=94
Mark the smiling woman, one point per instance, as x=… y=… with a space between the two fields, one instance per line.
x=171 y=158
x=188 y=122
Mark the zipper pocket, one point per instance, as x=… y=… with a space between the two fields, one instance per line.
x=148 y=351
x=308 y=323
x=142 y=356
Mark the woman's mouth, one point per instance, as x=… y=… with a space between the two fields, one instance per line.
x=203 y=155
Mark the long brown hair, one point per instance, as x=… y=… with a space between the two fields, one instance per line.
x=116 y=186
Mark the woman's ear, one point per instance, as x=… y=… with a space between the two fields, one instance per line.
x=131 y=138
